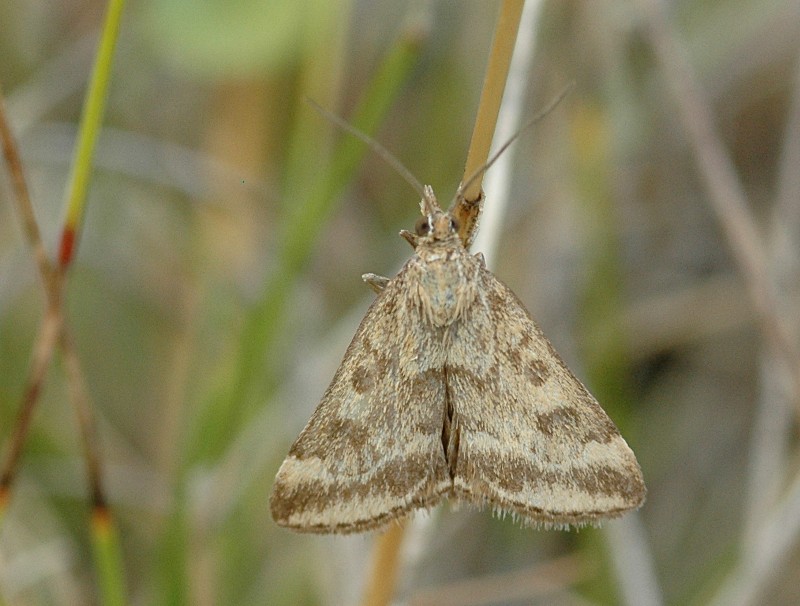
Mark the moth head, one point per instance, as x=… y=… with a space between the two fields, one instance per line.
x=440 y=226
x=434 y=224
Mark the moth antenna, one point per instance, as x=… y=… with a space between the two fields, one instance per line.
x=428 y=205
x=482 y=169
x=379 y=149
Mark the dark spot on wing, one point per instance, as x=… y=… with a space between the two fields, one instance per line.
x=586 y=423
x=362 y=379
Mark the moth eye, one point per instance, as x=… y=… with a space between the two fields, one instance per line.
x=422 y=227
x=453 y=224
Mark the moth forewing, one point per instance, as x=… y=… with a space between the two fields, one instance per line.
x=372 y=450
x=532 y=440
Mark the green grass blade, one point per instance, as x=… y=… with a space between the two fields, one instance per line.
x=108 y=558
x=88 y=131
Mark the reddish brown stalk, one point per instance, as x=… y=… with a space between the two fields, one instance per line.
x=79 y=395
x=42 y=355
x=66 y=248
x=52 y=330
x=22 y=197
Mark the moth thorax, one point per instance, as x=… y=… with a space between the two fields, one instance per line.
x=446 y=286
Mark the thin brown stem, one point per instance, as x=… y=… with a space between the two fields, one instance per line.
x=79 y=395
x=42 y=355
x=52 y=330
x=51 y=324
x=22 y=197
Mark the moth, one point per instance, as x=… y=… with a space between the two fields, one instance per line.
x=449 y=390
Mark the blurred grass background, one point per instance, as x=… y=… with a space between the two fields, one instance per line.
x=218 y=282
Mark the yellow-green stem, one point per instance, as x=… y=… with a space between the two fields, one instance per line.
x=89 y=129
x=108 y=558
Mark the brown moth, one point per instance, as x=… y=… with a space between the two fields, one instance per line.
x=450 y=390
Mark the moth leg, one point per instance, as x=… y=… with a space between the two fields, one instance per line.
x=375 y=282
